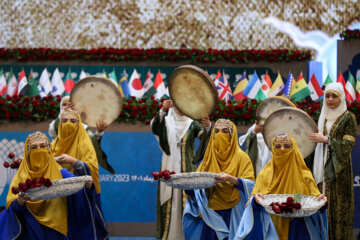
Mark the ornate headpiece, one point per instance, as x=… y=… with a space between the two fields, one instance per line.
x=282 y=138
x=37 y=136
x=225 y=122
x=71 y=112
x=333 y=91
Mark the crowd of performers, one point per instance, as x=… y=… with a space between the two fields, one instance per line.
x=229 y=210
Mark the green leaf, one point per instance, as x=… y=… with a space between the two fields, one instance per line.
x=297 y=198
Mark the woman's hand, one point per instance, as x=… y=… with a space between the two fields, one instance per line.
x=226 y=177
x=317 y=137
x=64 y=158
x=22 y=198
x=101 y=125
x=89 y=183
x=166 y=105
x=258 y=128
x=257 y=196
x=322 y=196
x=205 y=122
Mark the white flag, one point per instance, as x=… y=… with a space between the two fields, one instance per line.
x=135 y=85
x=82 y=75
x=57 y=84
x=44 y=84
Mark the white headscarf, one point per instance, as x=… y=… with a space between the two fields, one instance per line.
x=330 y=115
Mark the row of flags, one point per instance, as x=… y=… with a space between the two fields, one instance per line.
x=255 y=88
x=296 y=90
x=10 y=85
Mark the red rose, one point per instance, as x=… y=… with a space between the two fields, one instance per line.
x=28 y=182
x=52 y=103
x=14 y=190
x=22 y=187
x=155 y=175
x=297 y=206
x=8 y=97
x=167 y=176
x=6 y=164
x=42 y=180
x=7 y=115
x=172 y=172
x=11 y=155
x=290 y=200
x=253 y=101
x=48 y=182
x=17 y=162
x=161 y=174
x=2 y=101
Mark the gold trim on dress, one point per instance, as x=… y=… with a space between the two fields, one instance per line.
x=167 y=220
x=349 y=138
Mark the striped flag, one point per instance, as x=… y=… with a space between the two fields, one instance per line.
x=358 y=86
x=350 y=93
x=266 y=84
x=12 y=84
x=341 y=80
x=238 y=92
x=33 y=87
x=149 y=86
x=277 y=86
x=23 y=83
x=301 y=90
x=217 y=78
x=159 y=86
x=69 y=83
x=3 y=84
x=315 y=90
x=253 y=87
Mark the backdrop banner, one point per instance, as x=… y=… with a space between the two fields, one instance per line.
x=130 y=194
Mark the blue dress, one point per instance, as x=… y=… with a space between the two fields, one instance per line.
x=83 y=220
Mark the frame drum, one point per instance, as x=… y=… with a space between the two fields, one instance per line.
x=270 y=105
x=193 y=92
x=294 y=122
x=97 y=98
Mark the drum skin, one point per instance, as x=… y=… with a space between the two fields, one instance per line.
x=97 y=98
x=270 y=105
x=294 y=122
x=193 y=92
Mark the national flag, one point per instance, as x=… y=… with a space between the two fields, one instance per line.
x=238 y=92
x=315 y=90
x=223 y=88
x=135 y=85
x=350 y=93
x=159 y=86
x=277 y=86
x=266 y=84
x=23 y=83
x=82 y=74
x=12 y=84
x=123 y=85
x=301 y=90
x=253 y=87
x=149 y=86
x=341 y=80
x=289 y=85
x=69 y=83
x=113 y=77
x=44 y=83
x=33 y=87
x=358 y=86
x=328 y=80
x=217 y=78
x=57 y=83
x=3 y=84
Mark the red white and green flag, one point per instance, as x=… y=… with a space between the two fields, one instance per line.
x=315 y=90
x=3 y=84
x=69 y=83
x=217 y=78
x=149 y=86
x=350 y=93
x=341 y=80
x=358 y=86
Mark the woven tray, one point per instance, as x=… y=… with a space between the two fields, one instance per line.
x=309 y=204
x=60 y=188
x=191 y=180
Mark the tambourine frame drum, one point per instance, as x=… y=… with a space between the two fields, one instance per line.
x=193 y=92
x=97 y=98
x=269 y=105
x=294 y=122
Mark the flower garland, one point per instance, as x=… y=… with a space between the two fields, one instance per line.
x=143 y=110
x=154 y=54
x=350 y=35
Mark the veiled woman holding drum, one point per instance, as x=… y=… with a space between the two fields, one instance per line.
x=332 y=162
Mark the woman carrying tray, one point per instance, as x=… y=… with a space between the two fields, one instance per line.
x=95 y=137
x=176 y=134
x=286 y=173
x=216 y=212
x=332 y=162
x=74 y=151
x=59 y=218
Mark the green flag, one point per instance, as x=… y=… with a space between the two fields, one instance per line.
x=33 y=88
